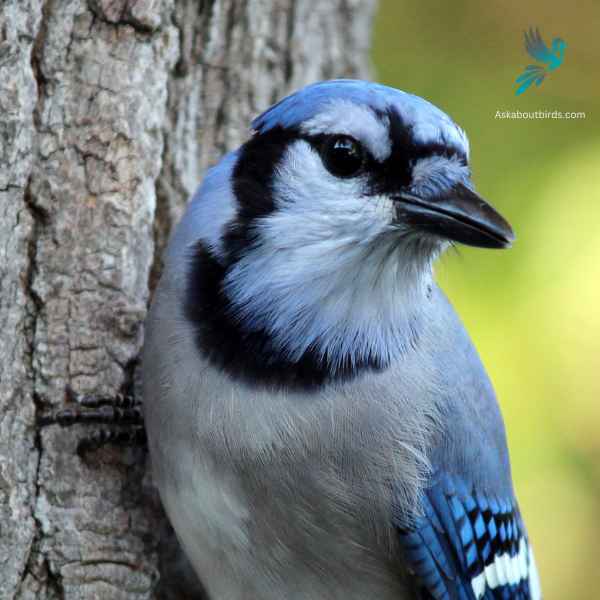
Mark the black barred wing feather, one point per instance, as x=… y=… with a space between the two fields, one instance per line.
x=469 y=546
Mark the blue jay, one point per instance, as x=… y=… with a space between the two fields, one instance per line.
x=319 y=423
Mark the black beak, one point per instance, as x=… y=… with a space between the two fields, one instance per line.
x=460 y=215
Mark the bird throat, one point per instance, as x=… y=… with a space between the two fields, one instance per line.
x=303 y=327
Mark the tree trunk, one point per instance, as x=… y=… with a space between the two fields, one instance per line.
x=110 y=111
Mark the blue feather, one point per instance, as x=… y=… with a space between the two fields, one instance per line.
x=461 y=533
x=304 y=104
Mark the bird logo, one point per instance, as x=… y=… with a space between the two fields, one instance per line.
x=536 y=48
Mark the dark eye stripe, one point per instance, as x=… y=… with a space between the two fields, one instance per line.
x=395 y=172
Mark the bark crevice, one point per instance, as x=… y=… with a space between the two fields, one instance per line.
x=37 y=565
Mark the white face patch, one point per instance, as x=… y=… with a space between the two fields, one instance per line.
x=331 y=208
x=356 y=120
x=330 y=269
x=434 y=174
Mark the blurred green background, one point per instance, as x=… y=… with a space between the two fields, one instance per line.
x=533 y=311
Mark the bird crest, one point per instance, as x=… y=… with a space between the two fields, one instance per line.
x=538 y=50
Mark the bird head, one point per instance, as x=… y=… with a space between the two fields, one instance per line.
x=326 y=222
x=384 y=160
x=558 y=45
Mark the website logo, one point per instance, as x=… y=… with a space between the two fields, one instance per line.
x=550 y=59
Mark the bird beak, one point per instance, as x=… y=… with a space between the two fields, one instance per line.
x=459 y=215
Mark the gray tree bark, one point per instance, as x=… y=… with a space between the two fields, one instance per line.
x=110 y=111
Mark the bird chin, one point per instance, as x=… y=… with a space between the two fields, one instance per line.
x=419 y=248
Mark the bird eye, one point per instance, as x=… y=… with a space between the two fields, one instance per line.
x=342 y=155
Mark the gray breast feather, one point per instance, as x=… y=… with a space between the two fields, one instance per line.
x=298 y=485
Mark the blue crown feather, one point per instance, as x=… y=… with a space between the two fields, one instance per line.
x=418 y=114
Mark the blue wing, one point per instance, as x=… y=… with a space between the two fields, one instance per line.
x=469 y=546
x=536 y=47
x=532 y=73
